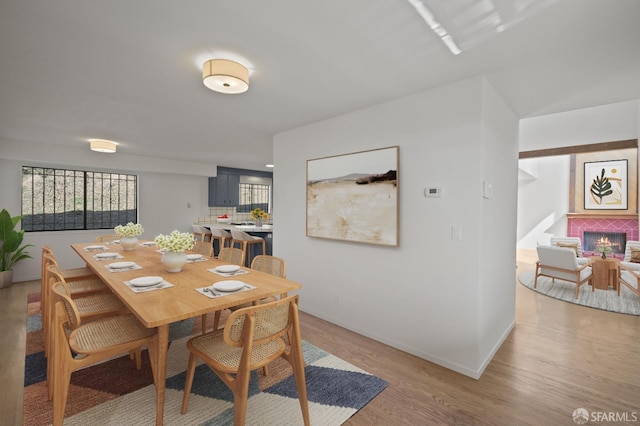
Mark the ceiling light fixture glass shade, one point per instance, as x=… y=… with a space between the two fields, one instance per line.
x=224 y=76
x=101 y=145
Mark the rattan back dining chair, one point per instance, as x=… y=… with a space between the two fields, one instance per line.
x=204 y=248
x=90 y=307
x=270 y=264
x=77 y=344
x=106 y=238
x=252 y=338
x=231 y=255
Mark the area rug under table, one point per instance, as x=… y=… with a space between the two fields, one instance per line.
x=608 y=300
x=115 y=393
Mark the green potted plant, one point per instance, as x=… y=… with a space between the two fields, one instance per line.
x=11 y=248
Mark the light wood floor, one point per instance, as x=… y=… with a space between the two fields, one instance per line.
x=558 y=358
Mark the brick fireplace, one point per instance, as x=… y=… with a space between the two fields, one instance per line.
x=577 y=225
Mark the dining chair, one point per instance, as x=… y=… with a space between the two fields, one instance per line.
x=201 y=233
x=246 y=241
x=251 y=339
x=271 y=265
x=106 y=238
x=204 y=248
x=82 y=281
x=90 y=307
x=231 y=255
x=220 y=235
x=77 y=345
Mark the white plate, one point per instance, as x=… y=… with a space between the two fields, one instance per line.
x=228 y=285
x=107 y=255
x=227 y=268
x=193 y=256
x=95 y=247
x=121 y=265
x=146 y=281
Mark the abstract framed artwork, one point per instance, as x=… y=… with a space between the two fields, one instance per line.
x=354 y=197
x=605 y=185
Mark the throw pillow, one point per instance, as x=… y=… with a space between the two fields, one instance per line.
x=574 y=246
x=635 y=255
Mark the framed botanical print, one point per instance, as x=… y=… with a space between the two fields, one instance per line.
x=605 y=185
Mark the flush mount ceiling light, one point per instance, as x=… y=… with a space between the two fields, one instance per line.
x=224 y=76
x=102 y=145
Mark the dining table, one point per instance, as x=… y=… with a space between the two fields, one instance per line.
x=180 y=295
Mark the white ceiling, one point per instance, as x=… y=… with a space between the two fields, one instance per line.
x=130 y=71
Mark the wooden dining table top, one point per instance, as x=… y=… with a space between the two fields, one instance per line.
x=182 y=301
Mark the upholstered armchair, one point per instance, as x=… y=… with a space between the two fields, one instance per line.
x=562 y=263
x=630 y=268
x=574 y=243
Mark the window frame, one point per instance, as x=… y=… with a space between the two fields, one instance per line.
x=55 y=215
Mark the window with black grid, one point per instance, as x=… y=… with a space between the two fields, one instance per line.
x=253 y=195
x=60 y=200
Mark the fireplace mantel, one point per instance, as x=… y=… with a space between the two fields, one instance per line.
x=602 y=215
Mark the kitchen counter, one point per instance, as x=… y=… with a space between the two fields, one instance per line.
x=246 y=228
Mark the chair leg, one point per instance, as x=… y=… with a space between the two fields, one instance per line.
x=240 y=396
x=216 y=320
x=188 y=382
x=203 y=320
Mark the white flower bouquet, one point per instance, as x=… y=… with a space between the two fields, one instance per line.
x=176 y=241
x=129 y=230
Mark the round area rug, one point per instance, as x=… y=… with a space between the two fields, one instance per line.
x=608 y=300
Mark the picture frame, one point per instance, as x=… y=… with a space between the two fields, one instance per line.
x=354 y=197
x=606 y=185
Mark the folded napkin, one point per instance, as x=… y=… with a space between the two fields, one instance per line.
x=228 y=274
x=117 y=256
x=147 y=244
x=200 y=259
x=135 y=289
x=94 y=248
x=131 y=268
x=113 y=242
x=212 y=294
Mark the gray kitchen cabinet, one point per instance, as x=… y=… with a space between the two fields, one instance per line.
x=224 y=190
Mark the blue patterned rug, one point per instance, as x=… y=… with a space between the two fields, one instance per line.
x=115 y=393
x=607 y=300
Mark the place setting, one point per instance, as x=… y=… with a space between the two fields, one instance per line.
x=150 y=283
x=228 y=270
x=95 y=248
x=224 y=288
x=108 y=256
x=122 y=266
x=195 y=257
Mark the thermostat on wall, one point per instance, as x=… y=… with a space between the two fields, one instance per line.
x=432 y=192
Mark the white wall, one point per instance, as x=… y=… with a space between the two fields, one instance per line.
x=543 y=200
x=424 y=295
x=604 y=123
x=162 y=197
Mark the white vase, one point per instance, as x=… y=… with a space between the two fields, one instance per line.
x=174 y=260
x=128 y=243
